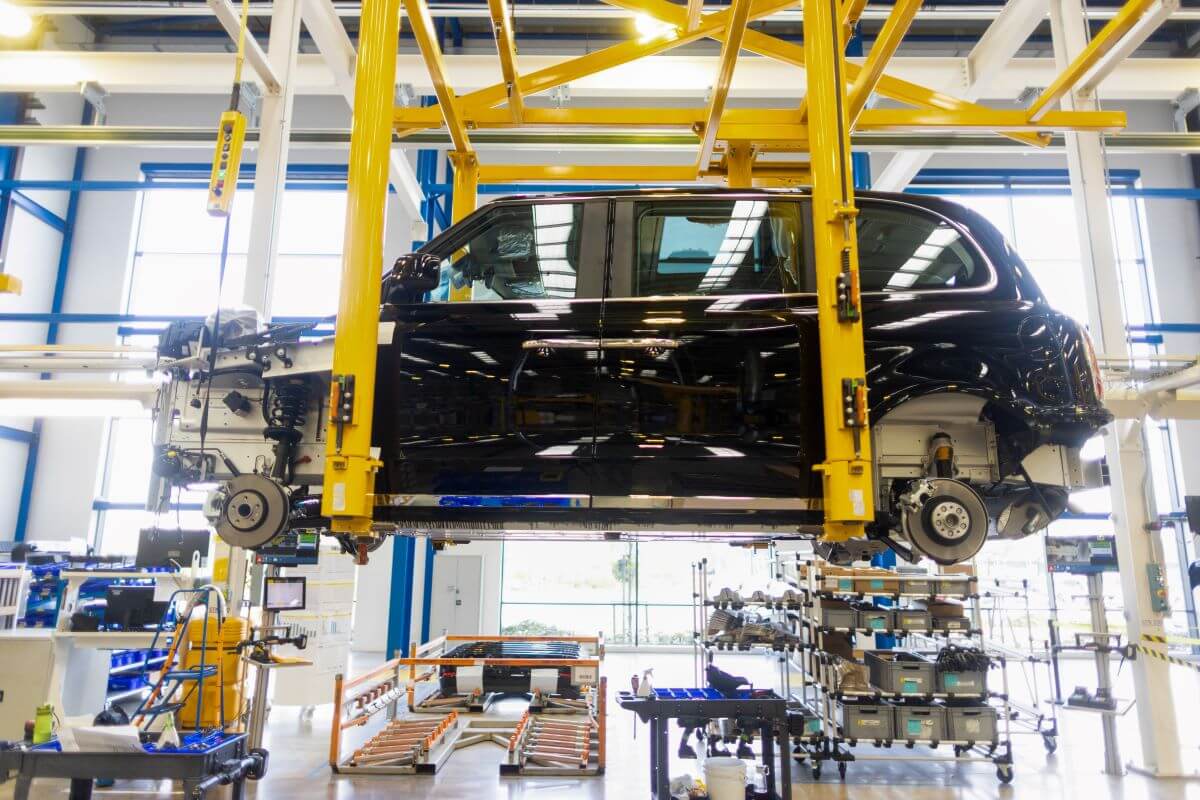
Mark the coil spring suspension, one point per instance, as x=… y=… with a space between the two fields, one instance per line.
x=285 y=416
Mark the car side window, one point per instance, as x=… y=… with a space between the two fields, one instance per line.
x=716 y=247
x=515 y=252
x=901 y=249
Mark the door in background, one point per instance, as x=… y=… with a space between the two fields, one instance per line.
x=455 y=607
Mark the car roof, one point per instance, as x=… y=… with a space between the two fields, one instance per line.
x=931 y=202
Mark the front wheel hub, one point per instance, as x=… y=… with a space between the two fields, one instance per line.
x=945 y=519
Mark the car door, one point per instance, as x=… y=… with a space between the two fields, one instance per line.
x=485 y=395
x=703 y=397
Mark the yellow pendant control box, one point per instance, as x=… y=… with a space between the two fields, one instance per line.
x=227 y=161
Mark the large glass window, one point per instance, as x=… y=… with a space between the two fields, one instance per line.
x=717 y=247
x=518 y=252
x=634 y=593
x=901 y=250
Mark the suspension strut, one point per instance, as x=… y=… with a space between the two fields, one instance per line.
x=285 y=416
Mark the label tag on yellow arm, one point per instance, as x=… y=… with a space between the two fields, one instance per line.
x=227 y=162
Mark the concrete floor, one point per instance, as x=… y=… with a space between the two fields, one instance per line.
x=299 y=749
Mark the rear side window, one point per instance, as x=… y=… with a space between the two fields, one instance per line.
x=901 y=249
x=716 y=247
x=519 y=252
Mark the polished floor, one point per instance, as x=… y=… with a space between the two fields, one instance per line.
x=299 y=750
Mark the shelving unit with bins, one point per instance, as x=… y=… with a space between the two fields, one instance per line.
x=837 y=707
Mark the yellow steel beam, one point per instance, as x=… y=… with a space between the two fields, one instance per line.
x=885 y=119
x=466 y=187
x=758 y=124
x=1104 y=41
x=739 y=165
x=893 y=88
x=731 y=45
x=615 y=55
x=349 y=483
x=885 y=46
x=620 y=173
x=921 y=119
x=852 y=10
x=466 y=184
x=506 y=46
x=422 y=25
x=694 y=10
x=846 y=471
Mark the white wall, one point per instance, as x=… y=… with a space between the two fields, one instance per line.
x=375 y=586
x=30 y=250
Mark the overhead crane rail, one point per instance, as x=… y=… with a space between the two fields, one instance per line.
x=729 y=143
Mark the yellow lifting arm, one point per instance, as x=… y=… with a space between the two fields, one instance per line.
x=846 y=471
x=349 y=490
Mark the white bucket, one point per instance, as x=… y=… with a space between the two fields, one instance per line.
x=725 y=778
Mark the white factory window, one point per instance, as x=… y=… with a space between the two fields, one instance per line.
x=635 y=593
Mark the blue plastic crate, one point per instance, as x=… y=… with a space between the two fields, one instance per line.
x=687 y=694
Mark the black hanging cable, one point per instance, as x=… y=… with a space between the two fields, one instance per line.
x=212 y=344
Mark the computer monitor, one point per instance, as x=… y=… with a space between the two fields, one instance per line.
x=131 y=608
x=165 y=547
x=285 y=594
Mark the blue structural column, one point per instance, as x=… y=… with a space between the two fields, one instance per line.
x=399 y=630
x=427 y=591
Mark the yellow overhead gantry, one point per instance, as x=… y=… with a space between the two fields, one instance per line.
x=728 y=141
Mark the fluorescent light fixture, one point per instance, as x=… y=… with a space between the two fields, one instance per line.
x=650 y=28
x=70 y=407
x=15 y=22
x=558 y=450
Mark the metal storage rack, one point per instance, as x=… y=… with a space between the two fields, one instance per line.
x=823 y=693
x=999 y=603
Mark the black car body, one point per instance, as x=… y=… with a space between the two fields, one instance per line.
x=648 y=361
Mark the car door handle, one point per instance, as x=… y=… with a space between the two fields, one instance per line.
x=641 y=343
x=561 y=344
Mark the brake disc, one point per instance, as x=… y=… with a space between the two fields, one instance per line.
x=944 y=519
x=255 y=511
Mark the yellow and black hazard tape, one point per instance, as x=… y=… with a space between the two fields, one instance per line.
x=1154 y=637
x=1162 y=655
